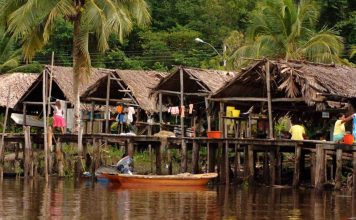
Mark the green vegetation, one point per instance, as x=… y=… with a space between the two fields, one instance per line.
x=316 y=30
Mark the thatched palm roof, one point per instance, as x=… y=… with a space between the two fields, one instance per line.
x=18 y=84
x=139 y=82
x=312 y=82
x=195 y=80
x=63 y=76
x=62 y=84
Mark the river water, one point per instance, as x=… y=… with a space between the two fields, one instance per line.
x=66 y=199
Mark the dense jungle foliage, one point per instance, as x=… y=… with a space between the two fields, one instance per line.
x=247 y=29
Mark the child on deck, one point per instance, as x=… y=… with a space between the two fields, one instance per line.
x=58 y=116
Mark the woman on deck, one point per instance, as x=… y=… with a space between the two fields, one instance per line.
x=58 y=116
x=339 y=128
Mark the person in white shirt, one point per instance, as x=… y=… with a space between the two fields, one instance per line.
x=58 y=116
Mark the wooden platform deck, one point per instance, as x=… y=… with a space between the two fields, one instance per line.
x=218 y=151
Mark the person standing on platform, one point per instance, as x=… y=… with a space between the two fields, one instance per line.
x=297 y=131
x=58 y=116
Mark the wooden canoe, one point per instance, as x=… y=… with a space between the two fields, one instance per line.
x=185 y=179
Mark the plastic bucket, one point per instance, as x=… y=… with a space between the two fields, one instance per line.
x=236 y=113
x=348 y=139
x=214 y=134
x=229 y=110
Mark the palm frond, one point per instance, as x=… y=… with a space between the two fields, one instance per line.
x=353 y=51
x=323 y=46
x=57 y=9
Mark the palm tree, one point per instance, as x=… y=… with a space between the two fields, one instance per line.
x=353 y=51
x=10 y=56
x=31 y=21
x=285 y=29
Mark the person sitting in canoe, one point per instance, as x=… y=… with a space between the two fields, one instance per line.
x=125 y=165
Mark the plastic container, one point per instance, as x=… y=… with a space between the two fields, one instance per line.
x=348 y=139
x=236 y=113
x=229 y=110
x=214 y=134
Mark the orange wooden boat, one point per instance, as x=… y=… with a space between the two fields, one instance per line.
x=184 y=179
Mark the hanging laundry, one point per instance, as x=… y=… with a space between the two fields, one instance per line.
x=119 y=109
x=130 y=113
x=182 y=111
x=191 y=109
x=122 y=118
x=175 y=110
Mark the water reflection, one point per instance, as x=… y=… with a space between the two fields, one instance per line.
x=93 y=200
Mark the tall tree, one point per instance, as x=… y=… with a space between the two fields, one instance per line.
x=32 y=21
x=286 y=29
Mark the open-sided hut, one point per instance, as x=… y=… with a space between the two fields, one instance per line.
x=130 y=87
x=61 y=88
x=62 y=85
x=18 y=84
x=190 y=85
x=290 y=86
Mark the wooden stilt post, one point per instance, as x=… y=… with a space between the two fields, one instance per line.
x=59 y=158
x=27 y=151
x=24 y=114
x=50 y=148
x=150 y=148
x=160 y=111
x=312 y=167
x=296 y=174
x=227 y=164
x=266 y=168
x=211 y=157
x=96 y=152
x=354 y=172
x=45 y=141
x=272 y=169
x=2 y=143
x=169 y=161
x=279 y=163
x=92 y=117
x=251 y=164
x=237 y=162
x=183 y=145
x=210 y=149
x=338 y=173
x=222 y=161
x=107 y=104
x=269 y=100
x=130 y=150
x=159 y=158
x=195 y=157
x=320 y=167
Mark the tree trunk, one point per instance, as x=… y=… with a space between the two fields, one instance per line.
x=79 y=66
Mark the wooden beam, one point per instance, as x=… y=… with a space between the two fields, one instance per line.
x=269 y=100
x=128 y=102
x=114 y=78
x=300 y=99
x=245 y=99
x=168 y=92
x=107 y=99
